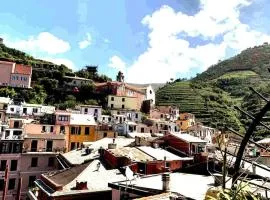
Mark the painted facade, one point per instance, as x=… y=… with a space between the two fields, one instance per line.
x=15 y=75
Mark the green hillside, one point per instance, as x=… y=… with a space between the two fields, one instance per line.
x=48 y=82
x=212 y=95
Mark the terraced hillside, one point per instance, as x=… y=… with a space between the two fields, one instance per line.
x=212 y=95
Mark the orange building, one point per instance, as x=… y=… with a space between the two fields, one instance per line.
x=185 y=121
x=82 y=128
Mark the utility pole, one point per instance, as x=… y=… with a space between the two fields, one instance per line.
x=5 y=183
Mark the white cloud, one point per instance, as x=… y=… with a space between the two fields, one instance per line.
x=86 y=42
x=43 y=42
x=169 y=52
x=117 y=63
x=60 y=61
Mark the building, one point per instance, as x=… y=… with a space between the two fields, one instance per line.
x=185 y=144
x=132 y=115
x=178 y=185
x=15 y=75
x=150 y=94
x=74 y=81
x=125 y=95
x=29 y=110
x=203 y=132
x=123 y=102
x=144 y=159
x=27 y=156
x=185 y=121
x=4 y=102
x=82 y=129
x=43 y=138
x=93 y=110
x=82 y=182
x=169 y=113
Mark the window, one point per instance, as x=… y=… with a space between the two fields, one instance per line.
x=13 y=78
x=12 y=109
x=51 y=129
x=86 y=110
x=112 y=98
x=16 y=124
x=1 y=184
x=25 y=78
x=62 y=129
x=150 y=91
x=123 y=99
x=11 y=183
x=31 y=181
x=51 y=162
x=34 y=145
x=3 y=165
x=142 y=130
x=72 y=145
x=168 y=164
x=96 y=110
x=75 y=130
x=62 y=118
x=35 y=110
x=111 y=105
x=136 y=115
x=21 y=78
x=105 y=134
x=13 y=166
x=87 y=131
x=123 y=106
x=17 y=78
x=34 y=162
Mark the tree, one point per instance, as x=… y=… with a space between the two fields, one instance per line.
x=7 y=92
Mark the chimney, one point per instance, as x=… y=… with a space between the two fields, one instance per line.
x=112 y=145
x=165 y=182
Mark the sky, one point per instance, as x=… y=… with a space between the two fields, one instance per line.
x=151 y=41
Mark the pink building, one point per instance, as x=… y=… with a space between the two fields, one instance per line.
x=15 y=75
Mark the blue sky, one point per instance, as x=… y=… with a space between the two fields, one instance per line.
x=150 y=40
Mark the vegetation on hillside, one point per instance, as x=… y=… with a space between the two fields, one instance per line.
x=212 y=95
x=48 y=82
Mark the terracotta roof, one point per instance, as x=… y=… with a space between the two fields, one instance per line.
x=119 y=83
x=23 y=69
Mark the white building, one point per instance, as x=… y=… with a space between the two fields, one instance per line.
x=149 y=94
x=202 y=132
x=74 y=81
x=93 y=110
x=25 y=109
x=131 y=115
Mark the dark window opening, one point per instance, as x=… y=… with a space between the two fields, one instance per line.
x=87 y=131
x=34 y=162
x=13 y=166
x=105 y=134
x=3 y=165
x=51 y=162
x=11 y=184
x=34 y=145
x=31 y=180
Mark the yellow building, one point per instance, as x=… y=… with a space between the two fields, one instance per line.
x=185 y=121
x=124 y=102
x=82 y=128
x=104 y=131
